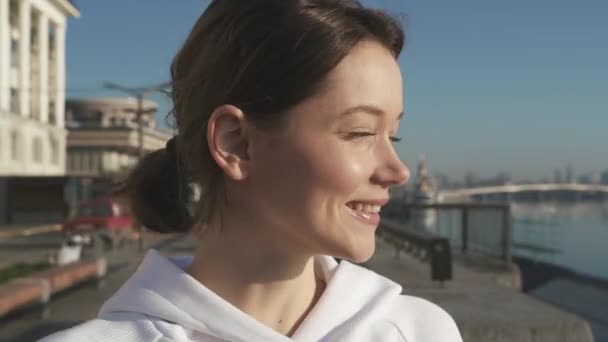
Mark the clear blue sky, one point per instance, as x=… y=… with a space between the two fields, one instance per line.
x=518 y=86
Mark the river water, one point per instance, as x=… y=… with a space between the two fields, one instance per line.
x=571 y=235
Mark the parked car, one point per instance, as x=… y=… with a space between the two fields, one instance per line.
x=104 y=218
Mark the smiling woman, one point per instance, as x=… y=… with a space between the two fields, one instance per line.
x=286 y=113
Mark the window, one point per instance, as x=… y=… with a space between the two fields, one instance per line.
x=37 y=150
x=34 y=37
x=52 y=113
x=71 y=163
x=52 y=42
x=34 y=110
x=15 y=146
x=70 y=118
x=14 y=101
x=78 y=162
x=84 y=161
x=54 y=151
x=88 y=118
x=34 y=31
x=14 y=53
x=93 y=162
x=14 y=13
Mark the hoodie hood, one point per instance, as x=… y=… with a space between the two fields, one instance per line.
x=160 y=288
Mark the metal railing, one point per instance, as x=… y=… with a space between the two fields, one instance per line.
x=476 y=228
x=422 y=244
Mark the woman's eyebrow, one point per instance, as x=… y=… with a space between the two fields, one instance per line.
x=369 y=109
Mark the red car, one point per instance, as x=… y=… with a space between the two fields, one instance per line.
x=104 y=217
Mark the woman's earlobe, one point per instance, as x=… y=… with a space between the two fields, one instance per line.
x=238 y=167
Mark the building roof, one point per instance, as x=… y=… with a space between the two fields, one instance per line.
x=69 y=7
x=116 y=102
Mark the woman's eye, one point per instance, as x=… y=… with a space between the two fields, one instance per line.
x=362 y=134
x=354 y=135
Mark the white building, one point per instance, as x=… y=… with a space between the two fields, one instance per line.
x=103 y=142
x=32 y=86
x=103 y=136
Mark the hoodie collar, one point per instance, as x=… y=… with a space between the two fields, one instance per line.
x=161 y=288
x=354 y=293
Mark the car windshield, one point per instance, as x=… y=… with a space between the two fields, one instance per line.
x=95 y=210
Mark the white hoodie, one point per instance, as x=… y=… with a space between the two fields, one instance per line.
x=162 y=303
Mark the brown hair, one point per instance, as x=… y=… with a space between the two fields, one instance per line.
x=262 y=56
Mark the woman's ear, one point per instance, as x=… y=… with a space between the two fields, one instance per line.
x=228 y=141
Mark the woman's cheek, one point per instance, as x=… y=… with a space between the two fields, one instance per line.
x=342 y=168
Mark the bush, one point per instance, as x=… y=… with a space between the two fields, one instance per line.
x=22 y=270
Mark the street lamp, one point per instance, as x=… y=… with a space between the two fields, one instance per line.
x=139 y=93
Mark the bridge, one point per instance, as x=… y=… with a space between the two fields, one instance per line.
x=509 y=189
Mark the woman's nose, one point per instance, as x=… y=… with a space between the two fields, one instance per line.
x=392 y=171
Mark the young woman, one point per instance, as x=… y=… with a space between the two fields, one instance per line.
x=286 y=115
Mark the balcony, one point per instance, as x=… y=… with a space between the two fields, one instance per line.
x=123 y=139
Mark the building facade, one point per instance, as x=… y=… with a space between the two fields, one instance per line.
x=32 y=86
x=103 y=142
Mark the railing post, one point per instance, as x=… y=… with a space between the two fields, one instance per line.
x=507 y=226
x=441 y=260
x=465 y=230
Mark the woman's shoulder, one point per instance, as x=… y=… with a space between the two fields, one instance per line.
x=120 y=328
x=420 y=320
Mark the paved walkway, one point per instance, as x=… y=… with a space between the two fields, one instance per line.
x=483 y=310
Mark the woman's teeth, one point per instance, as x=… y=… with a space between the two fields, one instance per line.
x=363 y=207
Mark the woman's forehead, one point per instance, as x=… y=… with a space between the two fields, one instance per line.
x=369 y=78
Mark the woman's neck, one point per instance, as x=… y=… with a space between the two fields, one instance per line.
x=260 y=277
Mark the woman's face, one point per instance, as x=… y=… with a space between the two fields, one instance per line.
x=320 y=180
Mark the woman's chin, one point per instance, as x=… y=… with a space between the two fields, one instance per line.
x=359 y=252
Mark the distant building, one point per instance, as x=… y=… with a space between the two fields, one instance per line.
x=503 y=178
x=596 y=178
x=103 y=141
x=32 y=86
x=569 y=175
x=557 y=178
x=590 y=178
x=32 y=97
x=442 y=180
x=470 y=179
x=605 y=177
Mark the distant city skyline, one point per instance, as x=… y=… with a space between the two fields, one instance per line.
x=513 y=86
x=471 y=179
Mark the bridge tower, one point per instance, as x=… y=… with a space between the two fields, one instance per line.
x=424 y=189
x=424 y=193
